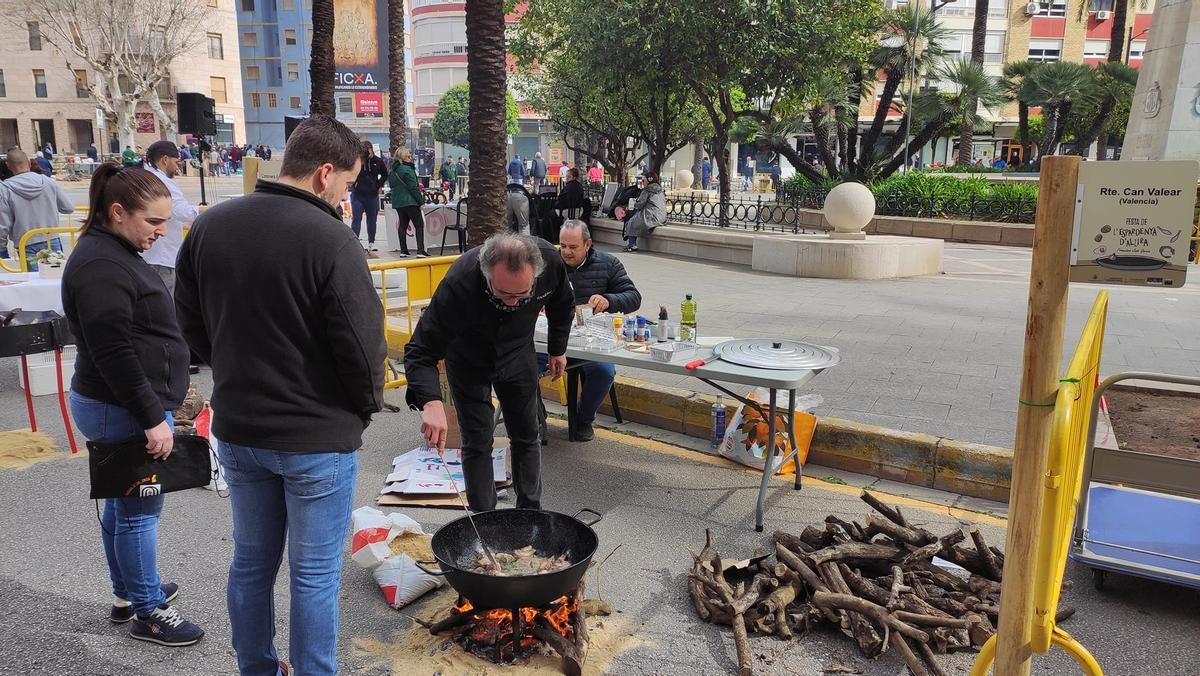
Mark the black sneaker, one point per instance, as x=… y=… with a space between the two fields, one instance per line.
x=423 y=254
x=165 y=626
x=584 y=432
x=404 y=254
x=122 y=611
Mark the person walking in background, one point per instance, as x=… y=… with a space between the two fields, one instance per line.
x=407 y=199
x=562 y=172
x=184 y=157
x=29 y=200
x=288 y=434
x=92 y=153
x=364 y=196
x=460 y=168
x=705 y=173
x=516 y=170
x=596 y=174
x=48 y=151
x=449 y=177
x=537 y=171
x=129 y=157
x=163 y=159
x=46 y=169
x=131 y=370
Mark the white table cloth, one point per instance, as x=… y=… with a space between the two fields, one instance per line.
x=29 y=291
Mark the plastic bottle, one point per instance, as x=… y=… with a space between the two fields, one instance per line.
x=641 y=329
x=687 y=319
x=718 y=423
x=662 y=323
x=618 y=321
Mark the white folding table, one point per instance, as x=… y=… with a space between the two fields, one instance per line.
x=725 y=372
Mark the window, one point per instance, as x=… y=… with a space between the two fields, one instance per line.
x=294 y=103
x=216 y=46
x=3 y=87
x=1095 y=49
x=165 y=90
x=1045 y=51
x=293 y=72
x=289 y=5
x=39 y=83
x=289 y=36
x=250 y=39
x=81 y=84
x=35 y=36
x=345 y=104
x=1100 y=5
x=247 y=5
x=255 y=100
x=217 y=87
x=253 y=72
x=1052 y=8
x=439 y=36
x=433 y=82
x=212 y=3
x=158 y=37
x=1137 y=49
x=272 y=100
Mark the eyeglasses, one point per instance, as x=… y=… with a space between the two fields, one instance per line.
x=517 y=297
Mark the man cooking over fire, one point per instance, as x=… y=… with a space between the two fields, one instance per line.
x=481 y=321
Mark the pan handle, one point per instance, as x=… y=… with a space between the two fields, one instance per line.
x=593 y=522
x=430 y=571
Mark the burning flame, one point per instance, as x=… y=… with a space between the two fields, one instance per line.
x=496 y=625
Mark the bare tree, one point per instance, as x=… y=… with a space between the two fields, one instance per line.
x=128 y=44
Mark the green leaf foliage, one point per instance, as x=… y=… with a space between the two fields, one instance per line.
x=450 y=124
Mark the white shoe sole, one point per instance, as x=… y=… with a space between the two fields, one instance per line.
x=169 y=644
x=129 y=619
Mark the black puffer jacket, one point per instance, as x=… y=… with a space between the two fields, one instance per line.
x=602 y=273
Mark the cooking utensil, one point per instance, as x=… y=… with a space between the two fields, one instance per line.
x=788 y=355
x=1131 y=263
x=549 y=533
x=467 y=509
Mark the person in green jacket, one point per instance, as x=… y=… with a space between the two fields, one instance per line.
x=450 y=175
x=129 y=158
x=407 y=198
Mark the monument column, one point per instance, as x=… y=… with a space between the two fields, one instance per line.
x=1164 y=118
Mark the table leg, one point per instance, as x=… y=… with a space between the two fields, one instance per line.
x=572 y=401
x=791 y=425
x=768 y=466
x=28 y=394
x=62 y=400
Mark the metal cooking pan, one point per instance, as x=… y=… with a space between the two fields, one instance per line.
x=457 y=550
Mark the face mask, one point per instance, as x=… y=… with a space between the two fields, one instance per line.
x=501 y=305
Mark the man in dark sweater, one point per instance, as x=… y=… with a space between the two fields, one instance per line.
x=295 y=341
x=364 y=196
x=481 y=321
x=600 y=281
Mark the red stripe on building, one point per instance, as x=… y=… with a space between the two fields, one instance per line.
x=434 y=9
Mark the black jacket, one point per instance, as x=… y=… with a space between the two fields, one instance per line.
x=130 y=351
x=294 y=333
x=371 y=177
x=476 y=339
x=602 y=273
x=573 y=197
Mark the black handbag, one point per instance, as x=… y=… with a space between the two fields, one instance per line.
x=126 y=470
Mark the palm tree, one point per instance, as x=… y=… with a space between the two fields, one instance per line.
x=397 y=99
x=1115 y=83
x=1116 y=39
x=910 y=41
x=1016 y=79
x=830 y=116
x=320 y=68
x=978 y=44
x=486 y=117
x=1056 y=87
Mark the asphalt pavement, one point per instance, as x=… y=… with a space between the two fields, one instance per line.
x=656 y=500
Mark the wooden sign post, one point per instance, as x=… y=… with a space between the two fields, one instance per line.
x=1044 y=327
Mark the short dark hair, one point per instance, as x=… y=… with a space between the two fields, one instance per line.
x=573 y=173
x=318 y=140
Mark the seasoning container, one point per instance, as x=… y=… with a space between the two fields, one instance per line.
x=617 y=328
x=662 y=323
x=641 y=328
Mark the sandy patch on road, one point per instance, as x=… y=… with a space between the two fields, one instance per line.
x=21 y=449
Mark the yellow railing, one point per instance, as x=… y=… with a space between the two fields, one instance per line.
x=23 y=261
x=422 y=278
x=1064 y=473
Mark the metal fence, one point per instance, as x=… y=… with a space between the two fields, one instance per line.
x=757 y=213
x=973 y=208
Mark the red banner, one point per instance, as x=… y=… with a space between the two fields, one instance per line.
x=145 y=122
x=368 y=104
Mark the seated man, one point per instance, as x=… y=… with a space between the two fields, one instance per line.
x=517 y=208
x=599 y=281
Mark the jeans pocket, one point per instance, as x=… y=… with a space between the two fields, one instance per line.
x=89 y=415
x=310 y=474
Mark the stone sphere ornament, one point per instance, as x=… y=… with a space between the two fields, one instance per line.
x=684 y=179
x=849 y=208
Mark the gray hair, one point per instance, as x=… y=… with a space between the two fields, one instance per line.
x=513 y=251
x=576 y=224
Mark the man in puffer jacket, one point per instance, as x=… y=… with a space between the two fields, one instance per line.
x=29 y=200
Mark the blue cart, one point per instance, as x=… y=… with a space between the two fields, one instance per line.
x=1139 y=513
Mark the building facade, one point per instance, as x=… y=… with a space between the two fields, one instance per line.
x=44 y=96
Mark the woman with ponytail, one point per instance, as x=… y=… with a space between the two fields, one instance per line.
x=130 y=373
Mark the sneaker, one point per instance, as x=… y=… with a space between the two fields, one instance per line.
x=122 y=610
x=372 y=247
x=404 y=254
x=423 y=254
x=165 y=626
x=584 y=432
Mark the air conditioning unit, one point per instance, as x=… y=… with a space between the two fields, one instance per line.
x=1032 y=9
x=1103 y=15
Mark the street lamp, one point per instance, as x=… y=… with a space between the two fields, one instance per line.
x=1129 y=42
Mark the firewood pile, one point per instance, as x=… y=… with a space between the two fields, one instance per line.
x=875 y=582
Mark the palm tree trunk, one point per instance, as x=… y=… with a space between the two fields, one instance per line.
x=721 y=155
x=1023 y=129
x=698 y=162
x=928 y=133
x=822 y=137
x=486 y=117
x=851 y=162
x=1116 y=39
x=1060 y=127
x=1050 y=115
x=320 y=68
x=843 y=136
x=1107 y=106
x=397 y=100
x=966 y=136
x=890 y=86
x=802 y=166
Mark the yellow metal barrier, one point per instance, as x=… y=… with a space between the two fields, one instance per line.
x=1064 y=472
x=23 y=260
x=422 y=278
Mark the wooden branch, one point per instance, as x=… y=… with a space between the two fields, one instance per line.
x=794 y=543
x=855 y=550
x=933 y=549
x=908 y=536
x=898 y=586
x=869 y=641
x=451 y=621
x=934 y=668
x=910 y=658
x=695 y=587
x=932 y=620
x=892 y=513
x=985 y=555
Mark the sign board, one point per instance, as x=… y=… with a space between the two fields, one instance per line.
x=368 y=104
x=1133 y=222
x=254 y=168
x=360 y=42
x=100 y=121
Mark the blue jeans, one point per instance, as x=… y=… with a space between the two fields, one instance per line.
x=32 y=249
x=306 y=499
x=361 y=205
x=596 y=378
x=129 y=527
